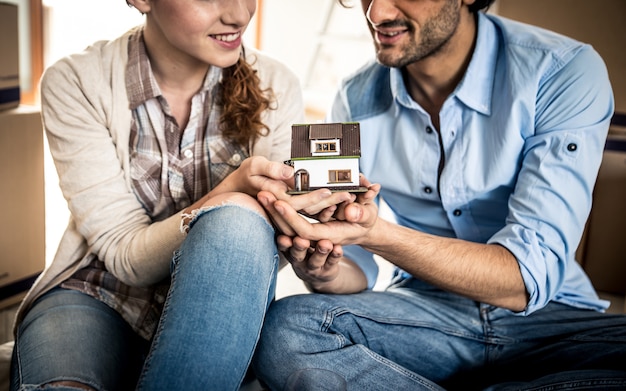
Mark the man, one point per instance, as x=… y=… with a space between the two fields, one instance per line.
x=484 y=136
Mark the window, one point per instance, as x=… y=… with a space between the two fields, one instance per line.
x=325 y=147
x=327 y=43
x=339 y=176
x=328 y=146
x=30 y=48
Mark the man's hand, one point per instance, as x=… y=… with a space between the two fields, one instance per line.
x=314 y=246
x=349 y=223
x=313 y=263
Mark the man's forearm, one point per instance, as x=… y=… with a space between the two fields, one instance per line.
x=487 y=273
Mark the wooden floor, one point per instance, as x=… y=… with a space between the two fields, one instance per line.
x=6 y=323
x=618 y=302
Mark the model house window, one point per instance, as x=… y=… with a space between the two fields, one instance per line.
x=339 y=176
x=328 y=146
x=325 y=147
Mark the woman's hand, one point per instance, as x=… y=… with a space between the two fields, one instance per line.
x=256 y=173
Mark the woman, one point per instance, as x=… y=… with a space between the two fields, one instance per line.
x=161 y=138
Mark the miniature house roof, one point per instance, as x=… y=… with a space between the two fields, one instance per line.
x=348 y=133
x=325 y=131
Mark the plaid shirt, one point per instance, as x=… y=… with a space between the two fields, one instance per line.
x=170 y=169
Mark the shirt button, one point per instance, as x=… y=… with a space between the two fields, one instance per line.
x=457 y=212
x=428 y=190
x=429 y=129
x=236 y=158
x=572 y=147
x=188 y=153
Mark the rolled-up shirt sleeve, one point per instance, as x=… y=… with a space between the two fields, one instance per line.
x=553 y=193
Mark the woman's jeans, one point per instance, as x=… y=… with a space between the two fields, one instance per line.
x=223 y=279
x=416 y=337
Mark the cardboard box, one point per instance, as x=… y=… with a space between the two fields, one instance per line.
x=600 y=24
x=9 y=57
x=605 y=247
x=22 y=213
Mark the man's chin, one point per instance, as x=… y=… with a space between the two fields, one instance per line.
x=389 y=61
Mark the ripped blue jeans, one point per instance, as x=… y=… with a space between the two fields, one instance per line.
x=216 y=305
x=223 y=280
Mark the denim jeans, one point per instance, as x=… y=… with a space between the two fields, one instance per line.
x=216 y=305
x=223 y=279
x=68 y=335
x=416 y=337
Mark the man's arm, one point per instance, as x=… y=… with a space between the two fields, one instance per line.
x=483 y=272
x=487 y=273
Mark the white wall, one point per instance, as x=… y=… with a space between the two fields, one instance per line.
x=72 y=25
x=320 y=40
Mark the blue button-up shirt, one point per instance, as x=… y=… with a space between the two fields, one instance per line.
x=522 y=138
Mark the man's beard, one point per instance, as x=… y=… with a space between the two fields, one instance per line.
x=434 y=36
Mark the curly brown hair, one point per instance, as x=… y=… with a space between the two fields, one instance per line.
x=243 y=101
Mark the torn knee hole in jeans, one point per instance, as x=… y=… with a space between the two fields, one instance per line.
x=188 y=219
x=69 y=383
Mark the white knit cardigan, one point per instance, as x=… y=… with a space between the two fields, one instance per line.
x=87 y=119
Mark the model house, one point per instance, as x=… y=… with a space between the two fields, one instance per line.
x=326 y=155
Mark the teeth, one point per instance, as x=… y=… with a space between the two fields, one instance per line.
x=391 y=34
x=227 y=37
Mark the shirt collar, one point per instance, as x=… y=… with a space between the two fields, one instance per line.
x=399 y=91
x=476 y=88
x=141 y=85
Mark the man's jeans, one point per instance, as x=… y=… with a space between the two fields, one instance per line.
x=223 y=279
x=416 y=337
